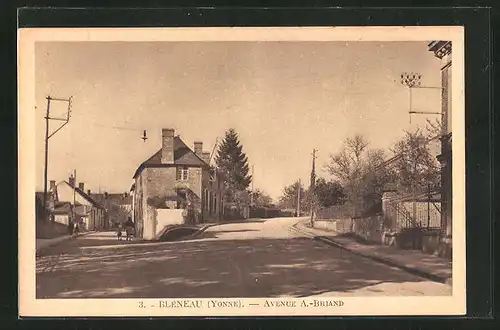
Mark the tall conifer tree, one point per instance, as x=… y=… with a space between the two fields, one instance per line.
x=233 y=163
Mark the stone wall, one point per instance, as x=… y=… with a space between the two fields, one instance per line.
x=328 y=225
x=159 y=181
x=370 y=228
x=165 y=217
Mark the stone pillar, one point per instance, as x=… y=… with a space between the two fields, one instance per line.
x=443 y=51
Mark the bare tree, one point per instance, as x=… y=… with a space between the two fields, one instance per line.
x=347 y=166
x=434 y=128
x=416 y=168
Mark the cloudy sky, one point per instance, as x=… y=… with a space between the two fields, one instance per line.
x=283 y=99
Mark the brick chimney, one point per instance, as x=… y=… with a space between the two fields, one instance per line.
x=52 y=184
x=206 y=157
x=71 y=181
x=167 y=146
x=89 y=192
x=198 y=148
x=81 y=186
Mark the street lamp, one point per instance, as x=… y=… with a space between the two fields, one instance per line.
x=411 y=79
x=414 y=80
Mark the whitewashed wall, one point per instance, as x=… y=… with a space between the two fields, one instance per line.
x=62 y=219
x=167 y=217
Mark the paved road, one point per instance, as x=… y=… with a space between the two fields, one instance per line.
x=254 y=259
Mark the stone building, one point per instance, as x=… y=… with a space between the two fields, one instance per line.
x=443 y=50
x=173 y=178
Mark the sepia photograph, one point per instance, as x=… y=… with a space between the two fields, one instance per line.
x=242 y=171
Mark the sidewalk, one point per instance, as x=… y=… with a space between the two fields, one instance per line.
x=42 y=243
x=412 y=261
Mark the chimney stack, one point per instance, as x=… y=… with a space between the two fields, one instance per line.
x=88 y=192
x=198 y=148
x=52 y=184
x=81 y=186
x=72 y=181
x=205 y=156
x=167 y=146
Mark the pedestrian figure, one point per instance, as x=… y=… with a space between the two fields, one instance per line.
x=119 y=232
x=129 y=229
x=76 y=230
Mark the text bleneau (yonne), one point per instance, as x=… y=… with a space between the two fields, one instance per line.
x=181 y=303
x=225 y=304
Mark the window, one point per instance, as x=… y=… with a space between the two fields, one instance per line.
x=183 y=173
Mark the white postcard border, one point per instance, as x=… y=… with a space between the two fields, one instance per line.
x=351 y=306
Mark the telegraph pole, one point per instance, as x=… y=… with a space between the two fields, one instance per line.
x=46 y=153
x=413 y=80
x=74 y=194
x=312 y=187
x=251 y=196
x=298 y=198
x=65 y=120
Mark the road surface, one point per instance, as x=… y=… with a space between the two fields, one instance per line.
x=252 y=259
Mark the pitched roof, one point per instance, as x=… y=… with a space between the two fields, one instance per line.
x=87 y=197
x=183 y=155
x=83 y=194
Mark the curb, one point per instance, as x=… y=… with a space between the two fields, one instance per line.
x=202 y=230
x=386 y=261
x=67 y=238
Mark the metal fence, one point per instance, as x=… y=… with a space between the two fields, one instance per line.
x=413 y=211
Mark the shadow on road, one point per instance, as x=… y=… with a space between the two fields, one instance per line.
x=208 y=268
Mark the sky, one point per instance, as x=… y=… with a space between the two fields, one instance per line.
x=283 y=99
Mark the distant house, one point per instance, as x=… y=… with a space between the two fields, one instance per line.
x=62 y=212
x=69 y=200
x=118 y=207
x=171 y=179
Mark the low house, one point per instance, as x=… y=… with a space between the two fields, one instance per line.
x=175 y=178
x=62 y=213
x=71 y=201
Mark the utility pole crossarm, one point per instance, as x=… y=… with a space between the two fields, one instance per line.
x=48 y=136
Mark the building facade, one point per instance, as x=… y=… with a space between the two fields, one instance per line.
x=443 y=51
x=175 y=177
x=82 y=208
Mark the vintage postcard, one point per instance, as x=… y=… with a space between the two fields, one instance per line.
x=241 y=171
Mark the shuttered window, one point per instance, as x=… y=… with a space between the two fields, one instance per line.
x=182 y=173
